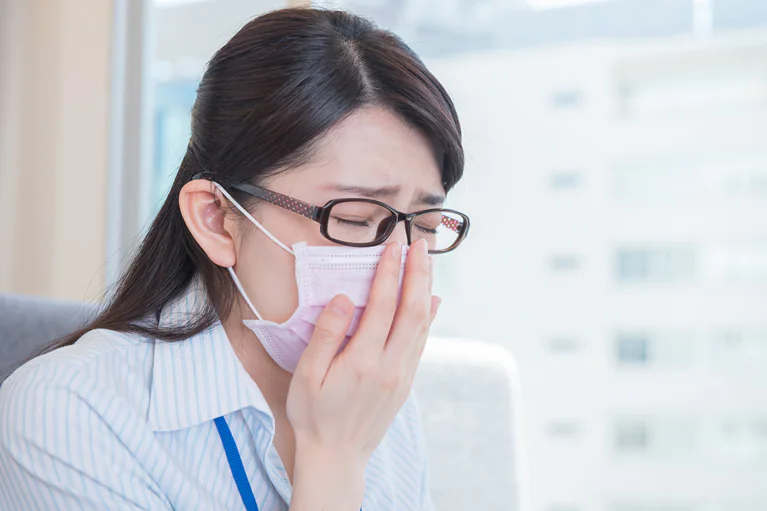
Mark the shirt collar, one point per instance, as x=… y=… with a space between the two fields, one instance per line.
x=200 y=378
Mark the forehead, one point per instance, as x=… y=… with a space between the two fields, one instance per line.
x=374 y=148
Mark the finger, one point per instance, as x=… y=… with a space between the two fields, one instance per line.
x=411 y=320
x=431 y=273
x=379 y=314
x=436 y=301
x=410 y=364
x=326 y=340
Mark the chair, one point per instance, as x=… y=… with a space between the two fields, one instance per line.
x=467 y=391
x=27 y=324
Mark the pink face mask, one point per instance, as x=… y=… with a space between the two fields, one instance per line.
x=322 y=272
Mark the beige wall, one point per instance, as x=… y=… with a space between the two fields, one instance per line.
x=54 y=100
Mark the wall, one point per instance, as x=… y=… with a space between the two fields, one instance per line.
x=54 y=99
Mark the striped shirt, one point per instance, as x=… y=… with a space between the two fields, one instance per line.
x=117 y=421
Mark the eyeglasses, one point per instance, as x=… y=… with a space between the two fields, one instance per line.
x=368 y=222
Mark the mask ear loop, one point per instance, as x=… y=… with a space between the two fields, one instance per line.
x=250 y=217
x=262 y=229
x=242 y=292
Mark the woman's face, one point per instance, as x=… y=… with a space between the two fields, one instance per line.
x=371 y=154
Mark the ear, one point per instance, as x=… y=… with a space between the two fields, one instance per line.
x=205 y=220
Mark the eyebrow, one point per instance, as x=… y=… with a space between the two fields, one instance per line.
x=388 y=192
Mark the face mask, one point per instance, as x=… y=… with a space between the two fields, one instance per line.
x=321 y=273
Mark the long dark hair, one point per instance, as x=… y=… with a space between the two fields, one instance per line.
x=266 y=97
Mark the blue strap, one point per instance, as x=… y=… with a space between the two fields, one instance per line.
x=235 y=464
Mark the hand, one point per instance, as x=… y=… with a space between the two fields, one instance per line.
x=341 y=405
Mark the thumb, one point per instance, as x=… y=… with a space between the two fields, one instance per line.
x=328 y=335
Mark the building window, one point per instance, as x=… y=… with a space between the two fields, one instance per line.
x=632 y=348
x=567 y=98
x=563 y=345
x=564 y=262
x=650 y=507
x=564 y=180
x=740 y=349
x=740 y=438
x=659 y=265
x=738 y=264
x=664 y=348
x=631 y=436
x=563 y=428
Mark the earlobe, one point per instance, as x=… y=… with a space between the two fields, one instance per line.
x=205 y=220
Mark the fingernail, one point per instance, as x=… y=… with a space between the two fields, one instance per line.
x=421 y=246
x=396 y=251
x=341 y=305
x=437 y=304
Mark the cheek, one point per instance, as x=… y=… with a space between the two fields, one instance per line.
x=267 y=274
x=266 y=270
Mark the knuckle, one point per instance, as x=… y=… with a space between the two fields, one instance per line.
x=385 y=300
x=421 y=269
x=393 y=271
x=392 y=381
x=324 y=332
x=366 y=369
x=417 y=308
x=306 y=375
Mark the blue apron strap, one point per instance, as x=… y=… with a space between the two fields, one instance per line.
x=235 y=464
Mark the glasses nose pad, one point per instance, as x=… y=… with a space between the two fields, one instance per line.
x=385 y=228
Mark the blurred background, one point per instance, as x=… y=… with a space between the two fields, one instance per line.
x=616 y=179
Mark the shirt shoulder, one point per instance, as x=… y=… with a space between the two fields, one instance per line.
x=71 y=423
x=101 y=365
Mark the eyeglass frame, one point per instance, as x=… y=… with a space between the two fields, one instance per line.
x=321 y=214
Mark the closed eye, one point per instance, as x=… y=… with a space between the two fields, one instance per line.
x=357 y=223
x=426 y=230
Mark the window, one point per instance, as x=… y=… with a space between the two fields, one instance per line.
x=556 y=97
x=704 y=84
x=671 y=349
x=631 y=436
x=563 y=345
x=702 y=177
x=738 y=264
x=563 y=428
x=564 y=262
x=658 y=436
x=657 y=179
x=186 y=34
x=739 y=349
x=656 y=265
x=564 y=180
x=740 y=439
x=652 y=507
x=632 y=348
x=566 y=99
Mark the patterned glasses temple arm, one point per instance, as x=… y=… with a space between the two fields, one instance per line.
x=453 y=224
x=296 y=206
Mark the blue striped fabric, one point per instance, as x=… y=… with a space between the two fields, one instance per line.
x=121 y=422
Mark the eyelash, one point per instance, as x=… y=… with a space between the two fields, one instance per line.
x=352 y=222
x=427 y=231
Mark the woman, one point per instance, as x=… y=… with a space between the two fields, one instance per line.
x=252 y=356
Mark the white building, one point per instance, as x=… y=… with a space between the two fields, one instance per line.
x=618 y=195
